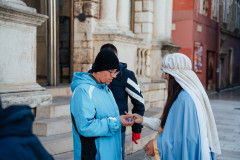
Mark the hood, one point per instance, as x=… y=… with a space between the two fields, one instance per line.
x=122 y=65
x=16 y=120
x=84 y=78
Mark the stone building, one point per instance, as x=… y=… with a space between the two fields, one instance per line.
x=229 y=55
x=48 y=41
x=208 y=33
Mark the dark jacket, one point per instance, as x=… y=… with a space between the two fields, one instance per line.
x=17 y=141
x=124 y=85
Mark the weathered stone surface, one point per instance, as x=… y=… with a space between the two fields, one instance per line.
x=76 y=68
x=50 y=111
x=137 y=28
x=33 y=99
x=64 y=156
x=159 y=104
x=18 y=26
x=83 y=56
x=53 y=126
x=147 y=37
x=148 y=6
x=156 y=95
x=77 y=8
x=144 y=17
x=138 y=6
x=147 y=27
x=86 y=67
x=58 y=143
x=91 y=9
x=79 y=36
x=131 y=147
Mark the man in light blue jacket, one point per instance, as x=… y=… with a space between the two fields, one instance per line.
x=95 y=116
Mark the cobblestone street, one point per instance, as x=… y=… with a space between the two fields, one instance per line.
x=226 y=110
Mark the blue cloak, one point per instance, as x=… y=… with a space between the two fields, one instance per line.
x=181 y=138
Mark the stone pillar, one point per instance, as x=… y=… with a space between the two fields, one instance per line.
x=108 y=13
x=159 y=26
x=162 y=43
x=18 y=26
x=168 y=29
x=123 y=14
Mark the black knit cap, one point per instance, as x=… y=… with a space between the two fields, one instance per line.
x=105 y=60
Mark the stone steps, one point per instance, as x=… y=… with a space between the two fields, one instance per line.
x=49 y=119
x=59 y=90
x=64 y=156
x=53 y=111
x=54 y=129
x=60 y=143
x=57 y=144
x=52 y=126
x=130 y=147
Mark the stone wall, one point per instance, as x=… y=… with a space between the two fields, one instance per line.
x=107 y=21
x=143 y=25
x=83 y=44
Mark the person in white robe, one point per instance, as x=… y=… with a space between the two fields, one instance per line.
x=186 y=129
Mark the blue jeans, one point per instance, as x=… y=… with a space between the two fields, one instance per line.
x=123 y=145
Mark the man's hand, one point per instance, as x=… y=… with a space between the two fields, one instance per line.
x=135 y=137
x=137 y=118
x=149 y=148
x=125 y=120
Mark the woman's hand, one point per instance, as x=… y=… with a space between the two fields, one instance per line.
x=137 y=118
x=149 y=148
x=127 y=120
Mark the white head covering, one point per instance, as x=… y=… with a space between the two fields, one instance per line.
x=180 y=67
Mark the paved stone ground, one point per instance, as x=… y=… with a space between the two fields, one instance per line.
x=226 y=110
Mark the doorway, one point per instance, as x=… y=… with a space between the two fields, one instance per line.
x=223 y=76
x=230 y=59
x=54 y=41
x=211 y=70
x=64 y=40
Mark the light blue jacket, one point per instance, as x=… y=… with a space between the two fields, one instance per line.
x=96 y=115
x=181 y=138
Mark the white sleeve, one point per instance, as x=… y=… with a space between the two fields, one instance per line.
x=152 y=123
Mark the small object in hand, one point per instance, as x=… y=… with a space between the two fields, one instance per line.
x=129 y=120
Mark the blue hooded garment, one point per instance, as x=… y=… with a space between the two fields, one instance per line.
x=96 y=115
x=17 y=142
x=181 y=138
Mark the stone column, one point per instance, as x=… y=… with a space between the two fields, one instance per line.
x=108 y=13
x=123 y=14
x=18 y=26
x=159 y=26
x=162 y=20
x=168 y=29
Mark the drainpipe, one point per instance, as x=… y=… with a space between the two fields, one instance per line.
x=218 y=82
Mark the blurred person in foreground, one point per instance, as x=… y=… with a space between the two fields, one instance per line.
x=17 y=142
x=187 y=129
x=95 y=116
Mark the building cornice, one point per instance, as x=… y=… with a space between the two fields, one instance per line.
x=114 y=34
x=230 y=33
x=20 y=16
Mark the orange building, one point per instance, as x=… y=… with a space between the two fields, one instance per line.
x=195 y=29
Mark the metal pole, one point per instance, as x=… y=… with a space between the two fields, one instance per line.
x=52 y=43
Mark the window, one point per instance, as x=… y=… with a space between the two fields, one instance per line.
x=237 y=18
x=225 y=11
